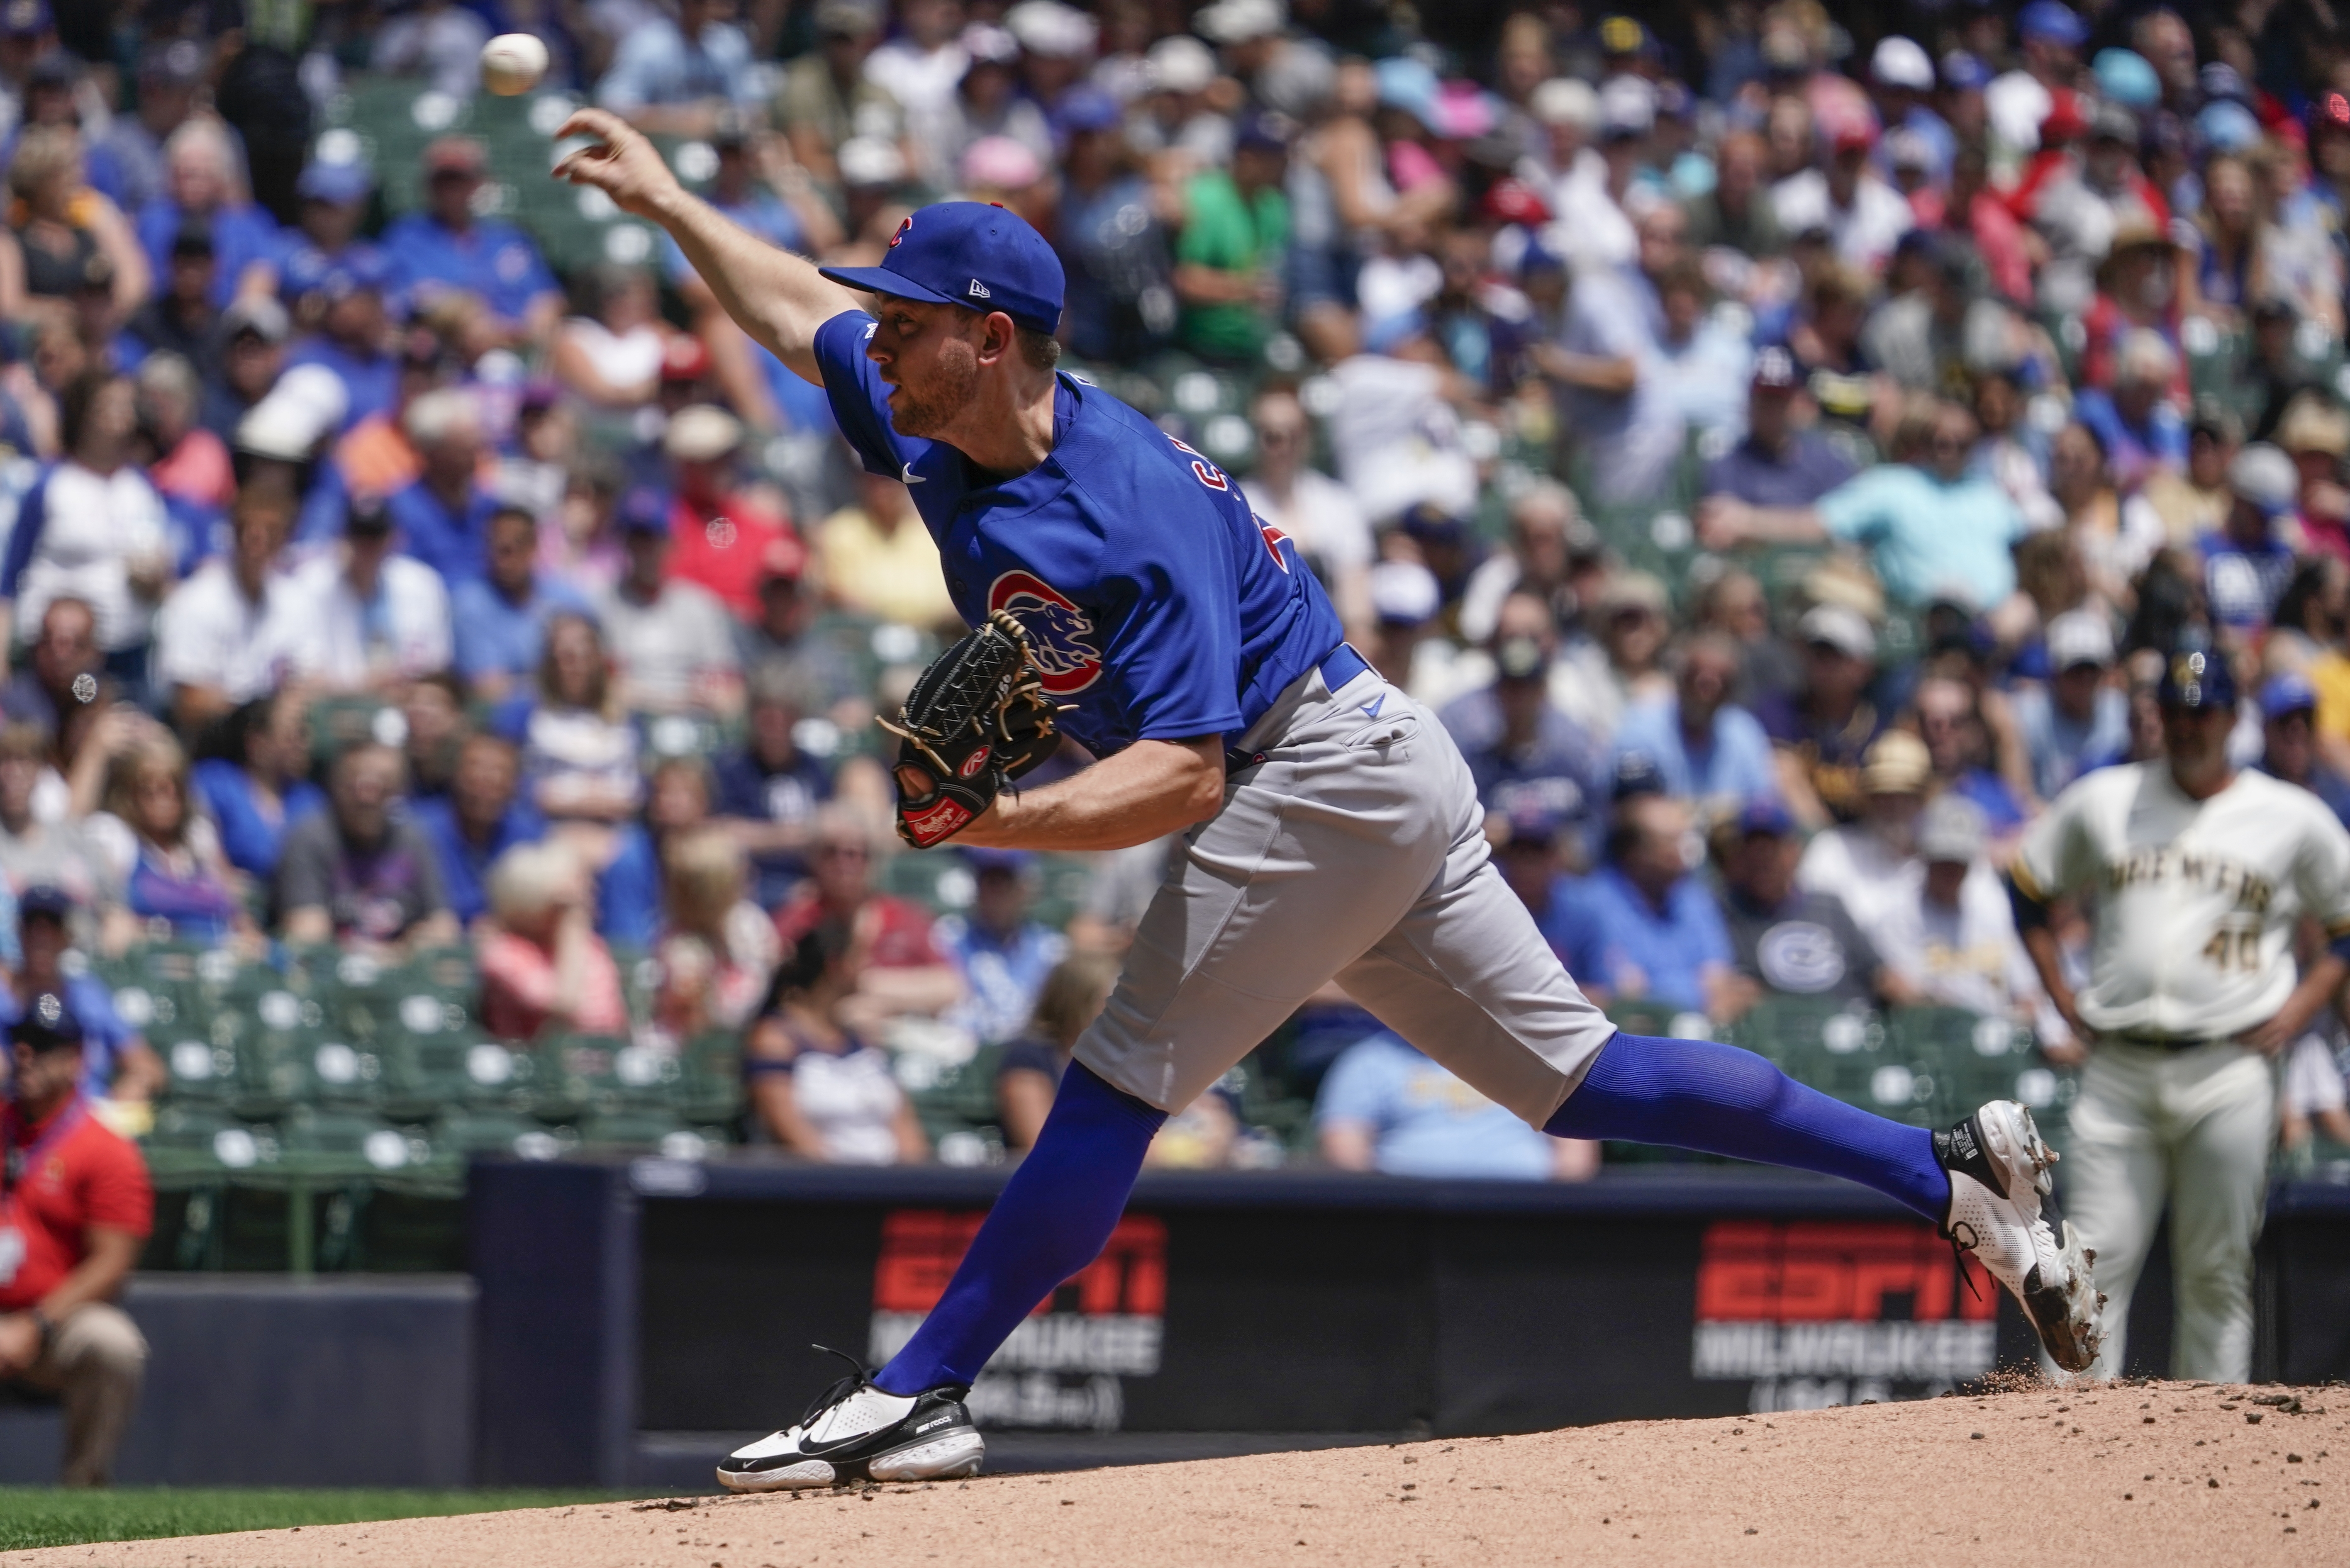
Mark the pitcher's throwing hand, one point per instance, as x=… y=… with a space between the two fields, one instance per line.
x=621 y=161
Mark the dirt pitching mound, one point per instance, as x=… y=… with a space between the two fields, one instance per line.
x=2116 y=1473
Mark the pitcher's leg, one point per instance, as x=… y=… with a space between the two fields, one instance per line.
x=1720 y=1099
x=1468 y=979
x=1054 y=1218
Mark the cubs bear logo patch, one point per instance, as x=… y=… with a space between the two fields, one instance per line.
x=1061 y=637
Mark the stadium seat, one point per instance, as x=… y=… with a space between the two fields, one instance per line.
x=465 y=1132
x=954 y=1100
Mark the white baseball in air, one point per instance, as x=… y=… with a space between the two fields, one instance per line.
x=513 y=63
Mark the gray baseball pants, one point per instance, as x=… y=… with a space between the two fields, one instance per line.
x=1356 y=849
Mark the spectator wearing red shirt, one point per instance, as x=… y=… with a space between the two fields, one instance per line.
x=75 y=1206
x=899 y=970
x=722 y=537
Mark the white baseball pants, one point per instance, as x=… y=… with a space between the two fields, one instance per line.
x=2190 y=1129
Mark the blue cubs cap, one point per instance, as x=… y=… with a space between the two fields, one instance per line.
x=341 y=183
x=1534 y=822
x=1766 y=816
x=2195 y=678
x=1962 y=72
x=361 y=267
x=1086 y=107
x=2052 y=23
x=52 y=902
x=2282 y=693
x=973 y=254
x=644 y=510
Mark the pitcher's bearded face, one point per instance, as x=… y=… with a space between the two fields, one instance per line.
x=930 y=363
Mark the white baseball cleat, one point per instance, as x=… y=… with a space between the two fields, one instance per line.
x=2000 y=1209
x=854 y=1431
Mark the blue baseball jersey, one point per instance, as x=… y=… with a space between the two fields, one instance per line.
x=1155 y=601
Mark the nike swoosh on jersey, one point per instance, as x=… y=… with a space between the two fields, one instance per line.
x=907 y=474
x=1375 y=704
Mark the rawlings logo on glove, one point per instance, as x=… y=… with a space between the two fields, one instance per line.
x=976 y=719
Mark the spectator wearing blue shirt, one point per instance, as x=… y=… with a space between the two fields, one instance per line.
x=737 y=191
x=768 y=791
x=500 y=618
x=169 y=73
x=326 y=236
x=256 y=786
x=678 y=77
x=1706 y=748
x=1776 y=464
x=1521 y=747
x=1387 y=1107
x=1938 y=532
x=445 y=247
x=1951 y=722
x=1642 y=926
x=202 y=186
x=1529 y=855
x=1002 y=954
x=2246 y=567
x=351 y=336
x=484 y=815
x=2080 y=716
x=443 y=517
x=2289 y=733
x=245 y=365
x=2141 y=430
x=116 y=1062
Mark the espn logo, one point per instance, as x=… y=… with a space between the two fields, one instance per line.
x=1817 y=1272
x=1810 y=1314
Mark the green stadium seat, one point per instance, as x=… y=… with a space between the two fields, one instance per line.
x=351 y=1142
x=459 y=1068
x=641 y=1128
x=712 y=1088
x=603 y=1074
x=953 y=1098
x=464 y=1132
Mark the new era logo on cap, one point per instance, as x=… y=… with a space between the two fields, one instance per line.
x=955 y=253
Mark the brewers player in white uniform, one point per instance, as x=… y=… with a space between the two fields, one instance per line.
x=2198 y=878
x=1329 y=828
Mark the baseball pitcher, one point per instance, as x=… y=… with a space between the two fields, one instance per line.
x=1329 y=828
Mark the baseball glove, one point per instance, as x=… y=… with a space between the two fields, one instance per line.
x=976 y=719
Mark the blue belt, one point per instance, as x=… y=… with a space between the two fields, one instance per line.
x=1342 y=666
x=1338 y=667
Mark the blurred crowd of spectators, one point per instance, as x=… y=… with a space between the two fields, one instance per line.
x=1782 y=442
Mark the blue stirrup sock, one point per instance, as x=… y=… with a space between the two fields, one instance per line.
x=1718 y=1099
x=1054 y=1218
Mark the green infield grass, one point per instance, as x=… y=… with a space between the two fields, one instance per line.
x=43 y=1516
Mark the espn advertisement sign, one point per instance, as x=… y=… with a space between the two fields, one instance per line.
x=1817 y=1313
x=1065 y=1366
